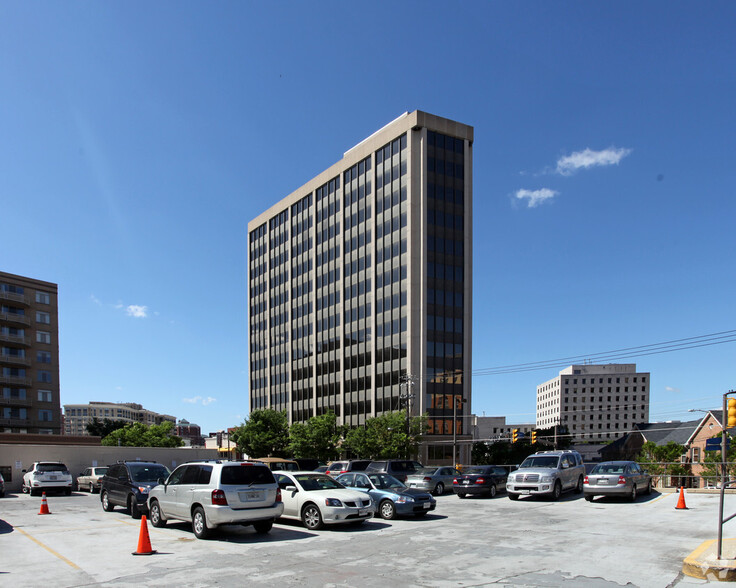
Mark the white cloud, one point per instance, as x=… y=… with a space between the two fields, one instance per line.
x=671 y=389
x=588 y=158
x=96 y=300
x=536 y=197
x=136 y=311
x=199 y=400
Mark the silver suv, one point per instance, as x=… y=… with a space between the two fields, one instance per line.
x=214 y=493
x=547 y=473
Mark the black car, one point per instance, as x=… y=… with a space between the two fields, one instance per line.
x=483 y=479
x=128 y=483
x=398 y=468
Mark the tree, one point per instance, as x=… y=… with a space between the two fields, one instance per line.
x=502 y=452
x=264 y=434
x=140 y=435
x=663 y=460
x=712 y=464
x=386 y=436
x=102 y=428
x=318 y=438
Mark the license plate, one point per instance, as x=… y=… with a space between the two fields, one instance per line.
x=426 y=505
x=363 y=513
x=250 y=496
x=412 y=485
x=52 y=477
x=524 y=491
x=466 y=481
x=602 y=482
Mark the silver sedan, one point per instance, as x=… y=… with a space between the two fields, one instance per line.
x=433 y=479
x=617 y=478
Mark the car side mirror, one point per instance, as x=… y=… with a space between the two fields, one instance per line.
x=24 y=471
x=290 y=488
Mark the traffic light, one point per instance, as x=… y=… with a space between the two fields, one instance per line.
x=731 y=412
x=515 y=434
x=534 y=437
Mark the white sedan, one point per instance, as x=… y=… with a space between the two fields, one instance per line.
x=317 y=500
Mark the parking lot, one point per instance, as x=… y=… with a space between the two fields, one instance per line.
x=469 y=542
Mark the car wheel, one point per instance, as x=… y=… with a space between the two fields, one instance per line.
x=199 y=524
x=632 y=496
x=135 y=512
x=106 y=505
x=24 y=489
x=557 y=491
x=439 y=489
x=311 y=517
x=155 y=515
x=649 y=488
x=589 y=497
x=387 y=510
x=461 y=494
x=492 y=491
x=33 y=492
x=263 y=527
x=513 y=496
x=579 y=487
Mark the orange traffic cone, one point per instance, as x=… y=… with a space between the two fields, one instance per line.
x=44 y=505
x=144 y=543
x=681 y=501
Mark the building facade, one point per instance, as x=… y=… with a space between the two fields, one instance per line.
x=497 y=429
x=189 y=432
x=360 y=284
x=78 y=416
x=594 y=402
x=29 y=356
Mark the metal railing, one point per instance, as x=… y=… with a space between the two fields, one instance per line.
x=687 y=475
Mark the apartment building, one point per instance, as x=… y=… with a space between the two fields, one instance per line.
x=78 y=416
x=29 y=356
x=595 y=402
x=360 y=284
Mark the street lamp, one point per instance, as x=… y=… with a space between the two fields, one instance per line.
x=454 y=427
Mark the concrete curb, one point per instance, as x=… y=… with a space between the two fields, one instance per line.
x=703 y=564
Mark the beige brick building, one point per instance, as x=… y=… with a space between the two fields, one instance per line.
x=78 y=416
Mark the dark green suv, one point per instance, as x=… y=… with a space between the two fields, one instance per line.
x=127 y=484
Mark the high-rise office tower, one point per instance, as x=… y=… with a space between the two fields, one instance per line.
x=360 y=284
x=29 y=356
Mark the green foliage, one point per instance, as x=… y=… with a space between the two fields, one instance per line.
x=712 y=463
x=102 y=428
x=264 y=434
x=386 y=437
x=318 y=438
x=503 y=452
x=663 y=460
x=140 y=435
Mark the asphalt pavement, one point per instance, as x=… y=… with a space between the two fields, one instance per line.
x=470 y=542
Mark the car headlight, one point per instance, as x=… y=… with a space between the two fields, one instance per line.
x=332 y=502
x=511 y=479
x=546 y=479
x=403 y=499
x=144 y=489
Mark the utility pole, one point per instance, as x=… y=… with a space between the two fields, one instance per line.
x=407 y=382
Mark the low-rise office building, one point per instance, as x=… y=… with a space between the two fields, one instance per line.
x=78 y=416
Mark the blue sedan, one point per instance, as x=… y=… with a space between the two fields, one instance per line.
x=391 y=497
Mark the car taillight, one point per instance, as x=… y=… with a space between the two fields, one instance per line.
x=585 y=480
x=480 y=481
x=278 y=495
x=218 y=498
x=621 y=480
x=454 y=480
x=427 y=479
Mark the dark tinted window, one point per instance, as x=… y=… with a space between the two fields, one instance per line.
x=191 y=475
x=205 y=473
x=246 y=474
x=51 y=467
x=147 y=472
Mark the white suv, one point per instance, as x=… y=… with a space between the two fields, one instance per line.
x=214 y=493
x=547 y=472
x=47 y=475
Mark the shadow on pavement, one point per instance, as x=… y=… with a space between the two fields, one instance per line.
x=5 y=527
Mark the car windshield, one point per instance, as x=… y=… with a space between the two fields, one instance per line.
x=148 y=473
x=477 y=470
x=609 y=468
x=317 y=482
x=427 y=471
x=386 y=482
x=51 y=467
x=540 y=461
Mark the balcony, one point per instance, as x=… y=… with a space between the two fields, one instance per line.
x=15 y=401
x=15 y=339
x=18 y=298
x=10 y=317
x=15 y=422
x=15 y=360
x=15 y=380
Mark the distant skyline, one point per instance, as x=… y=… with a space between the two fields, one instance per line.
x=135 y=151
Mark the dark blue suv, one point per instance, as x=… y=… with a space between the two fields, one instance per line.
x=127 y=484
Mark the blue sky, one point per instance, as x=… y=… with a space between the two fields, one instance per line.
x=138 y=139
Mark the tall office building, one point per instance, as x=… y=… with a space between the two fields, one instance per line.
x=29 y=356
x=360 y=284
x=595 y=402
